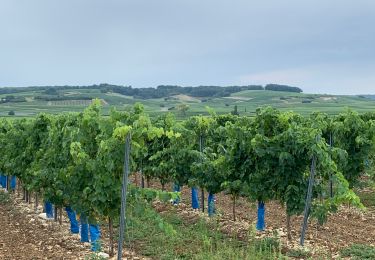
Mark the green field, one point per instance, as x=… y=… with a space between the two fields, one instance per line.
x=246 y=101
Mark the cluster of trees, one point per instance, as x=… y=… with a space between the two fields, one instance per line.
x=76 y=159
x=276 y=87
x=11 y=98
x=12 y=90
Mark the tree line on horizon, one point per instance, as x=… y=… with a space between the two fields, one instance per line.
x=160 y=91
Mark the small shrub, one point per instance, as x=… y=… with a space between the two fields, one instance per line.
x=94 y=256
x=359 y=251
x=299 y=253
x=11 y=113
x=267 y=244
x=4 y=198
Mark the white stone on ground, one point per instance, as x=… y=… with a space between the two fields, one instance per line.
x=104 y=255
x=44 y=216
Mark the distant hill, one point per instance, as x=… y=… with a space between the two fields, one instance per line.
x=30 y=101
x=50 y=93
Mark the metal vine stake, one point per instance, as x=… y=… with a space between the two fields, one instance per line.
x=201 y=159
x=123 y=195
x=308 y=200
x=330 y=176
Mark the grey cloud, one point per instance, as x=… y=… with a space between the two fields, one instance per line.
x=146 y=43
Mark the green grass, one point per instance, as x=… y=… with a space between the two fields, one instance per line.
x=359 y=252
x=246 y=101
x=94 y=256
x=168 y=236
x=299 y=253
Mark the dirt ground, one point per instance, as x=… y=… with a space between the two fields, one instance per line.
x=343 y=228
x=25 y=235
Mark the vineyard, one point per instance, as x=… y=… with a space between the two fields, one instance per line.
x=35 y=101
x=304 y=168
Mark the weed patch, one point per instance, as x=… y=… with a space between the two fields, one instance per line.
x=359 y=251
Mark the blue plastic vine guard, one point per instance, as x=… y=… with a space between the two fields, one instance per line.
x=95 y=237
x=49 y=209
x=194 y=198
x=260 y=222
x=211 y=204
x=74 y=225
x=84 y=229
x=13 y=182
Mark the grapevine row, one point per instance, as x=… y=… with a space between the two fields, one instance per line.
x=75 y=160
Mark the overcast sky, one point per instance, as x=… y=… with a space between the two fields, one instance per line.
x=322 y=46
